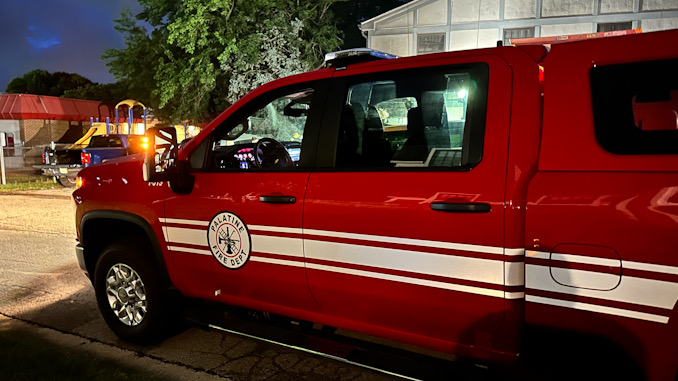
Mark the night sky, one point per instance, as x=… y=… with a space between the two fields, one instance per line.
x=59 y=35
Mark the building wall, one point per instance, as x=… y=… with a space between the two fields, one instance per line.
x=39 y=132
x=422 y=26
x=520 y=9
x=400 y=44
x=660 y=24
x=554 y=8
x=616 y=6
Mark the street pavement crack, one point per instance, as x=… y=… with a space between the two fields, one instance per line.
x=86 y=339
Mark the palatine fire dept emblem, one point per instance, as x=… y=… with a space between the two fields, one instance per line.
x=229 y=240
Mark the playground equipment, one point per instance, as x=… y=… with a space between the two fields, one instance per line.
x=128 y=126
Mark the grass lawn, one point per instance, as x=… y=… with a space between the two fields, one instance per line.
x=26 y=181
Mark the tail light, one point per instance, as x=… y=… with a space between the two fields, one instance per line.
x=43 y=158
x=85 y=158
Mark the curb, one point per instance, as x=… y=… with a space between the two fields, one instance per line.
x=39 y=195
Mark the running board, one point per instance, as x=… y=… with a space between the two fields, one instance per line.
x=372 y=356
x=313 y=352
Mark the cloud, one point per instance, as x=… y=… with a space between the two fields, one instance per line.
x=43 y=43
x=68 y=35
x=42 y=37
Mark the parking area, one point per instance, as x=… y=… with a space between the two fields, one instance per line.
x=42 y=289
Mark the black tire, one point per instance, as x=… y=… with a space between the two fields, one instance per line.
x=155 y=313
x=67 y=181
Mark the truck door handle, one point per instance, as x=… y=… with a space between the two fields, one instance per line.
x=270 y=199
x=464 y=207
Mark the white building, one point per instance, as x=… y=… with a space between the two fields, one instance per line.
x=426 y=26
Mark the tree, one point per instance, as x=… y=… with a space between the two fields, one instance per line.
x=134 y=67
x=190 y=59
x=17 y=85
x=42 y=82
x=34 y=82
x=106 y=93
x=69 y=81
x=278 y=59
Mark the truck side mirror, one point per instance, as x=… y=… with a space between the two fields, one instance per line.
x=160 y=154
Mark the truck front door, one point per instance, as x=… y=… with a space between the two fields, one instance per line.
x=237 y=235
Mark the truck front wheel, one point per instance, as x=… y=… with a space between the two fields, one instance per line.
x=130 y=296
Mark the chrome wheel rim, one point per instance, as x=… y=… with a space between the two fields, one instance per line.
x=126 y=294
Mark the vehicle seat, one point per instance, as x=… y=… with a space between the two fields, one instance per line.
x=376 y=150
x=435 y=120
x=415 y=147
x=348 y=141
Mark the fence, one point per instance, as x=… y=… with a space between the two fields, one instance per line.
x=19 y=161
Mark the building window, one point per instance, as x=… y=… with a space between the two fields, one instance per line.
x=614 y=26
x=430 y=43
x=511 y=34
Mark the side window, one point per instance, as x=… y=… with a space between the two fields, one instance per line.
x=635 y=107
x=268 y=137
x=105 y=141
x=414 y=119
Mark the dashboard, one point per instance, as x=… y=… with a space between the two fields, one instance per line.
x=241 y=156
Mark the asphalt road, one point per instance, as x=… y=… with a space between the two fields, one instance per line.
x=43 y=289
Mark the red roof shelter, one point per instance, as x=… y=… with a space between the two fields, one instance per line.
x=29 y=106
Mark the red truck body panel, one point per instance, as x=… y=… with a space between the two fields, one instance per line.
x=601 y=228
x=576 y=238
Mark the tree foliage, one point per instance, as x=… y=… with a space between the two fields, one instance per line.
x=190 y=59
x=42 y=82
x=107 y=92
x=67 y=85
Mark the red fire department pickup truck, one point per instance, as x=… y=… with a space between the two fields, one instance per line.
x=447 y=201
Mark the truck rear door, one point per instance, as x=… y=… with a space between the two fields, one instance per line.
x=404 y=218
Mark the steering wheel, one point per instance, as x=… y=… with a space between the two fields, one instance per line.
x=269 y=153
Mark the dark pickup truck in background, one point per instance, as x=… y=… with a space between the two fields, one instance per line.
x=63 y=163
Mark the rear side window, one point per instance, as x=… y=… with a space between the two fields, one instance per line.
x=426 y=118
x=635 y=107
x=105 y=141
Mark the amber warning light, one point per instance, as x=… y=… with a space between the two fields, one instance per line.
x=144 y=142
